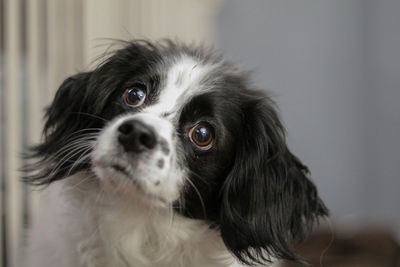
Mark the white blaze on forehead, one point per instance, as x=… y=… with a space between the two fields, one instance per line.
x=182 y=82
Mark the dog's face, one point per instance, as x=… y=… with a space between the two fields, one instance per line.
x=174 y=126
x=170 y=134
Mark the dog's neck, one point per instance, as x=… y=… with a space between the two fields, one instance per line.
x=117 y=232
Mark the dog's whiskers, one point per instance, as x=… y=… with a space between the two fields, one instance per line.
x=66 y=158
x=90 y=115
x=82 y=132
x=80 y=148
x=82 y=181
x=68 y=149
x=198 y=176
x=79 y=140
x=81 y=158
x=199 y=195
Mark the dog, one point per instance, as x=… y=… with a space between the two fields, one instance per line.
x=166 y=155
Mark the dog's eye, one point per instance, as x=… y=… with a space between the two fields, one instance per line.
x=202 y=136
x=135 y=95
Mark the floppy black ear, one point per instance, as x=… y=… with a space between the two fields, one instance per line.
x=68 y=115
x=268 y=202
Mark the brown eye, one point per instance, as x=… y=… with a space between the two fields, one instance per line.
x=202 y=136
x=135 y=95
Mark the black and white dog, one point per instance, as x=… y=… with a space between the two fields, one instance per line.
x=165 y=155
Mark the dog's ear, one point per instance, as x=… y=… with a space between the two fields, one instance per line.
x=268 y=202
x=68 y=115
x=69 y=99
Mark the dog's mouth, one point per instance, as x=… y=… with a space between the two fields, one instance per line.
x=121 y=169
x=116 y=174
x=126 y=185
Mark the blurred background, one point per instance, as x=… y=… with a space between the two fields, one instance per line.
x=333 y=66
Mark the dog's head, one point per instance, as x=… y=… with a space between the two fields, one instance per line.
x=178 y=126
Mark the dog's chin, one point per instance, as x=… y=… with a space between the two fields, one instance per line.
x=119 y=182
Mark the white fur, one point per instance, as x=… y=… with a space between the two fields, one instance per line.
x=162 y=185
x=103 y=220
x=83 y=225
x=182 y=83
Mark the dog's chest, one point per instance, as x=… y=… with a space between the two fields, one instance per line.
x=135 y=237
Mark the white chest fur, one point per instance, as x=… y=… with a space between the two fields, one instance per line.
x=81 y=225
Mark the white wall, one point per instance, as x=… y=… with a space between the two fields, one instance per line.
x=383 y=54
x=334 y=67
x=186 y=20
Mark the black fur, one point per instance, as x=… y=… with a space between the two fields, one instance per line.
x=267 y=201
x=252 y=188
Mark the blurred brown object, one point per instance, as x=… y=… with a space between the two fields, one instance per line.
x=370 y=247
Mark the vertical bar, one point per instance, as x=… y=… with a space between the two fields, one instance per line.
x=3 y=140
x=134 y=19
x=147 y=19
x=68 y=37
x=24 y=104
x=35 y=71
x=13 y=130
x=102 y=19
x=77 y=35
x=44 y=53
x=57 y=63
x=72 y=38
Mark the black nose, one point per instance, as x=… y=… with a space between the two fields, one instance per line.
x=135 y=136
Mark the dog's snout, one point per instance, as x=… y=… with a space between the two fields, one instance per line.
x=136 y=136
